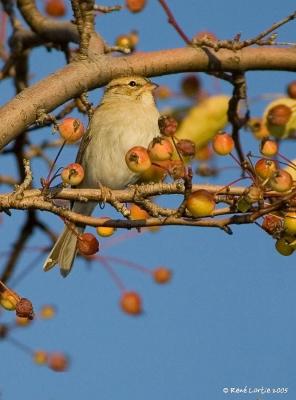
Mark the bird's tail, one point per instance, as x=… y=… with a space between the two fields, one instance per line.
x=63 y=252
x=65 y=248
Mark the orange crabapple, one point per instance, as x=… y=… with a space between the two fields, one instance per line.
x=135 y=6
x=71 y=129
x=200 y=203
x=138 y=212
x=22 y=321
x=55 y=8
x=124 y=41
x=47 y=312
x=223 y=144
x=40 y=357
x=281 y=181
x=265 y=168
x=137 y=159
x=268 y=147
x=162 y=275
x=73 y=174
x=131 y=303
x=87 y=244
x=105 y=231
x=160 y=149
x=58 y=362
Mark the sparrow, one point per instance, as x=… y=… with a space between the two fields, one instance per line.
x=126 y=117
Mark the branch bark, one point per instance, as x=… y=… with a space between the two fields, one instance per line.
x=70 y=81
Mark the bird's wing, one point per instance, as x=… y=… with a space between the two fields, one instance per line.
x=83 y=145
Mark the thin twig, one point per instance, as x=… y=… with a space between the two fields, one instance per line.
x=174 y=23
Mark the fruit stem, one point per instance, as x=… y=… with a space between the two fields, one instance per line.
x=21 y=346
x=290 y=163
x=176 y=148
x=129 y=264
x=48 y=181
x=241 y=166
x=232 y=183
x=118 y=282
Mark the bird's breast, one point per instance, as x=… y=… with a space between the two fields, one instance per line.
x=115 y=130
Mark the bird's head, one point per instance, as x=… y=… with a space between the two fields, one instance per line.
x=131 y=87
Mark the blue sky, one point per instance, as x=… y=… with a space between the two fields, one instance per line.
x=228 y=317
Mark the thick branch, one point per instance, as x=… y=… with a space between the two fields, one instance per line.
x=48 y=28
x=58 y=88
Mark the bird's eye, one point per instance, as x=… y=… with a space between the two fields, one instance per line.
x=132 y=84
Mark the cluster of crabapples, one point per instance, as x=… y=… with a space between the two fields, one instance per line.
x=168 y=155
x=72 y=130
x=57 y=8
x=56 y=361
x=278 y=121
x=11 y=301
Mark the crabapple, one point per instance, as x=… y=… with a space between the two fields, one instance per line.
x=155 y=173
x=203 y=153
x=272 y=223
x=268 y=148
x=162 y=275
x=137 y=159
x=55 y=8
x=162 y=92
x=290 y=223
x=135 y=6
x=283 y=247
x=265 y=168
x=73 y=174
x=223 y=144
x=176 y=169
x=291 y=90
x=71 y=129
x=131 y=303
x=190 y=85
x=138 y=212
x=160 y=149
x=24 y=308
x=186 y=147
x=9 y=300
x=58 y=362
x=167 y=125
x=105 y=231
x=87 y=244
x=281 y=181
x=200 y=203
x=279 y=115
x=40 y=357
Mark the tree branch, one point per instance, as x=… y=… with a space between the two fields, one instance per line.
x=58 y=88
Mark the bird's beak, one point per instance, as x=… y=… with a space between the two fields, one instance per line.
x=151 y=85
